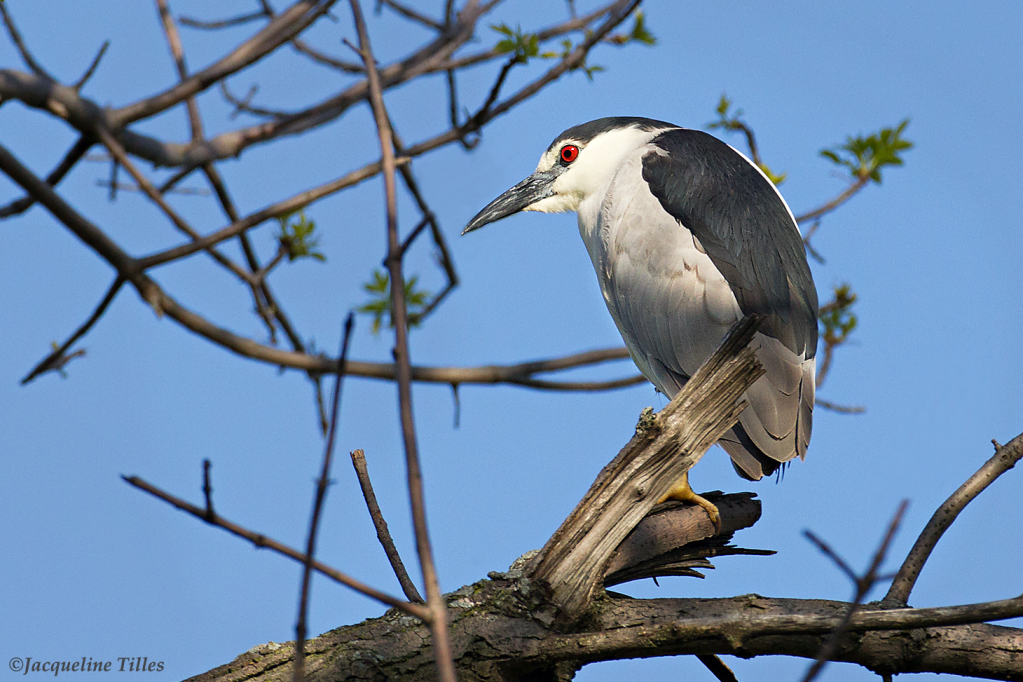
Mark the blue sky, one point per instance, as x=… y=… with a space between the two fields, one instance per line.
x=92 y=567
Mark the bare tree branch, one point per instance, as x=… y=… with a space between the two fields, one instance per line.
x=383 y=534
x=863 y=584
x=399 y=315
x=321 y=495
x=262 y=541
x=51 y=361
x=1005 y=458
x=23 y=50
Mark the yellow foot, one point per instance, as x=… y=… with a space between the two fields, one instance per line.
x=683 y=493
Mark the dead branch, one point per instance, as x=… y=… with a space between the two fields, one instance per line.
x=1005 y=458
x=262 y=541
x=383 y=534
x=399 y=316
x=573 y=561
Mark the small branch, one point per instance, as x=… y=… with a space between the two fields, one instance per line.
x=863 y=586
x=182 y=191
x=19 y=43
x=717 y=667
x=170 y=31
x=262 y=541
x=222 y=23
x=121 y=157
x=80 y=83
x=73 y=156
x=841 y=409
x=383 y=533
x=333 y=62
x=321 y=495
x=1005 y=458
x=300 y=200
x=399 y=316
x=410 y=13
x=830 y=206
x=53 y=360
x=243 y=104
x=207 y=491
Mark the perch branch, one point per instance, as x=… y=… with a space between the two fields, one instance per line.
x=573 y=561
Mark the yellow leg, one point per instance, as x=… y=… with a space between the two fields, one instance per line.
x=683 y=493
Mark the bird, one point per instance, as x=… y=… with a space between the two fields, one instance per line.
x=687 y=236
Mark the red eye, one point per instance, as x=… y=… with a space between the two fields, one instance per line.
x=569 y=153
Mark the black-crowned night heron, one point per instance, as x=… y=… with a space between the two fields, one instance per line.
x=687 y=236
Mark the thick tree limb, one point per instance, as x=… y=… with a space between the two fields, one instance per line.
x=501 y=632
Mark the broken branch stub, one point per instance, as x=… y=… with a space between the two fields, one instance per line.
x=574 y=561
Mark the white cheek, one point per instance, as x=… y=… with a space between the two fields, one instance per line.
x=559 y=203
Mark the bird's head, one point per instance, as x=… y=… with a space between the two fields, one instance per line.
x=577 y=164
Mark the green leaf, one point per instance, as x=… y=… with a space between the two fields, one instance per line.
x=836 y=317
x=639 y=32
x=522 y=45
x=865 y=157
x=379 y=305
x=297 y=236
x=777 y=179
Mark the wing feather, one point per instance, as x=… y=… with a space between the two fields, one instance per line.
x=678 y=267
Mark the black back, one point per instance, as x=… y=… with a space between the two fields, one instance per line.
x=743 y=225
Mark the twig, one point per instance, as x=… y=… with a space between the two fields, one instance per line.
x=170 y=30
x=266 y=305
x=830 y=206
x=262 y=541
x=863 y=586
x=399 y=315
x=841 y=409
x=51 y=360
x=183 y=191
x=80 y=83
x=121 y=157
x=300 y=200
x=283 y=28
x=717 y=667
x=321 y=495
x=410 y=13
x=1005 y=458
x=340 y=64
x=19 y=43
x=222 y=23
x=809 y=247
x=207 y=491
x=446 y=261
x=242 y=104
x=383 y=534
x=73 y=156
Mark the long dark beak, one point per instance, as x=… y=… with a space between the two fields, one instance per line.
x=531 y=190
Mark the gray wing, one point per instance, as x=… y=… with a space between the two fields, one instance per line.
x=747 y=231
x=676 y=283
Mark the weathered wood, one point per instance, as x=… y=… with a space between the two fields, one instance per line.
x=677 y=538
x=573 y=562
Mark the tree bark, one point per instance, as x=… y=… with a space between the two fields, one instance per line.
x=502 y=630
